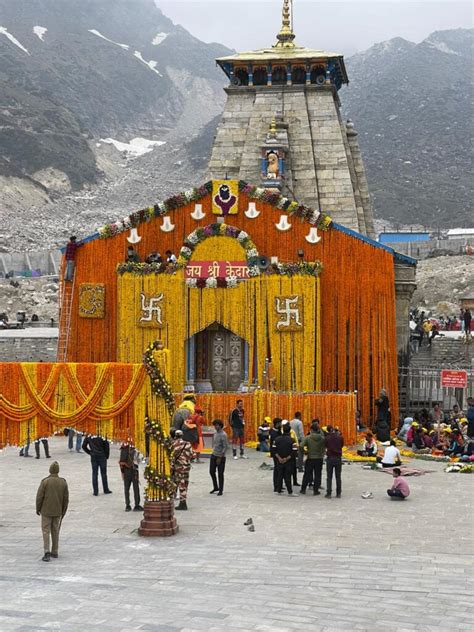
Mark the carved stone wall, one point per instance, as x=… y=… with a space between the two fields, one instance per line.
x=324 y=169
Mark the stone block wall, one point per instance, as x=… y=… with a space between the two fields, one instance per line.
x=320 y=169
x=28 y=349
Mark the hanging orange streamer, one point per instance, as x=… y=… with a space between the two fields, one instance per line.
x=337 y=409
x=37 y=400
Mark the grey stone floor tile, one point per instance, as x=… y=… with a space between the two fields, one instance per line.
x=310 y=565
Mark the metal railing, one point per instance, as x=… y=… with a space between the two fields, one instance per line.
x=420 y=387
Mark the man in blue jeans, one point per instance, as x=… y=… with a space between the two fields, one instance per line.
x=70 y=439
x=334 y=445
x=98 y=449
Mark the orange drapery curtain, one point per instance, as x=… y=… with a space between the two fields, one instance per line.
x=357 y=296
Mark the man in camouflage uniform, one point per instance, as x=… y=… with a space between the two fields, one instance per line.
x=181 y=457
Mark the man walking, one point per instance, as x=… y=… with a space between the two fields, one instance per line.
x=220 y=445
x=298 y=428
x=334 y=445
x=314 y=445
x=98 y=449
x=181 y=458
x=52 y=499
x=129 y=467
x=45 y=446
x=285 y=447
x=237 y=423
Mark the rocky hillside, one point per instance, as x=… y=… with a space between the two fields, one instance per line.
x=441 y=282
x=73 y=73
x=412 y=106
x=106 y=106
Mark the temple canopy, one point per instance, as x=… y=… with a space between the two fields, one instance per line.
x=285 y=62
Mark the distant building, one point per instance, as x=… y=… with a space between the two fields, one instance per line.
x=467 y=302
x=404 y=237
x=459 y=233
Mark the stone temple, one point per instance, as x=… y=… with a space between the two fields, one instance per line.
x=286 y=96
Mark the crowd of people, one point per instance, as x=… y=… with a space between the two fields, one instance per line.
x=439 y=432
x=424 y=328
x=154 y=257
x=292 y=450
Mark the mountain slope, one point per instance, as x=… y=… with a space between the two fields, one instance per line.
x=75 y=71
x=412 y=106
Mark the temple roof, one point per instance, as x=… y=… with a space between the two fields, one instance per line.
x=286 y=54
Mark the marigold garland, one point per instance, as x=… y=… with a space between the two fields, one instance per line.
x=316 y=218
x=159 y=384
x=161 y=485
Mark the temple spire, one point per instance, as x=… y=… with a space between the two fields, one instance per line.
x=286 y=36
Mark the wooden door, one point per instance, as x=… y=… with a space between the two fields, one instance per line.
x=227 y=368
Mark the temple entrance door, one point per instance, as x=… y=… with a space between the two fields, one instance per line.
x=219 y=360
x=226 y=360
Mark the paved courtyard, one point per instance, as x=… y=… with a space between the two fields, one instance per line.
x=311 y=564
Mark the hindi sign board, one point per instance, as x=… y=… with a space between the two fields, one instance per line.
x=453 y=379
x=216 y=269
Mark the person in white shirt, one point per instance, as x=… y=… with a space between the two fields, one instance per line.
x=298 y=428
x=391 y=455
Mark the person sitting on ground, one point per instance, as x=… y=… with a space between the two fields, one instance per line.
x=455 y=416
x=455 y=448
x=418 y=443
x=411 y=433
x=263 y=435
x=399 y=487
x=132 y=255
x=427 y=440
x=391 y=455
x=34 y=318
x=402 y=433
x=370 y=447
x=468 y=452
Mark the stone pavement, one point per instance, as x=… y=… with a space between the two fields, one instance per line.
x=312 y=563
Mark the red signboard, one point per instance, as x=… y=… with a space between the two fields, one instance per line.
x=453 y=379
x=216 y=269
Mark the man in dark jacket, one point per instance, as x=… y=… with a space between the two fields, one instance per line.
x=98 y=449
x=52 y=499
x=237 y=423
x=274 y=433
x=285 y=448
x=334 y=445
x=129 y=467
x=313 y=445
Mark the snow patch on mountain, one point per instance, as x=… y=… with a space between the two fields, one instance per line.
x=151 y=64
x=40 y=31
x=94 y=32
x=441 y=46
x=4 y=31
x=159 y=38
x=136 y=147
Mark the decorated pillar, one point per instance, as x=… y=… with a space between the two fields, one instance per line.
x=158 y=517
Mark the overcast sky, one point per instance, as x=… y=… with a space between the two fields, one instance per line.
x=344 y=26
